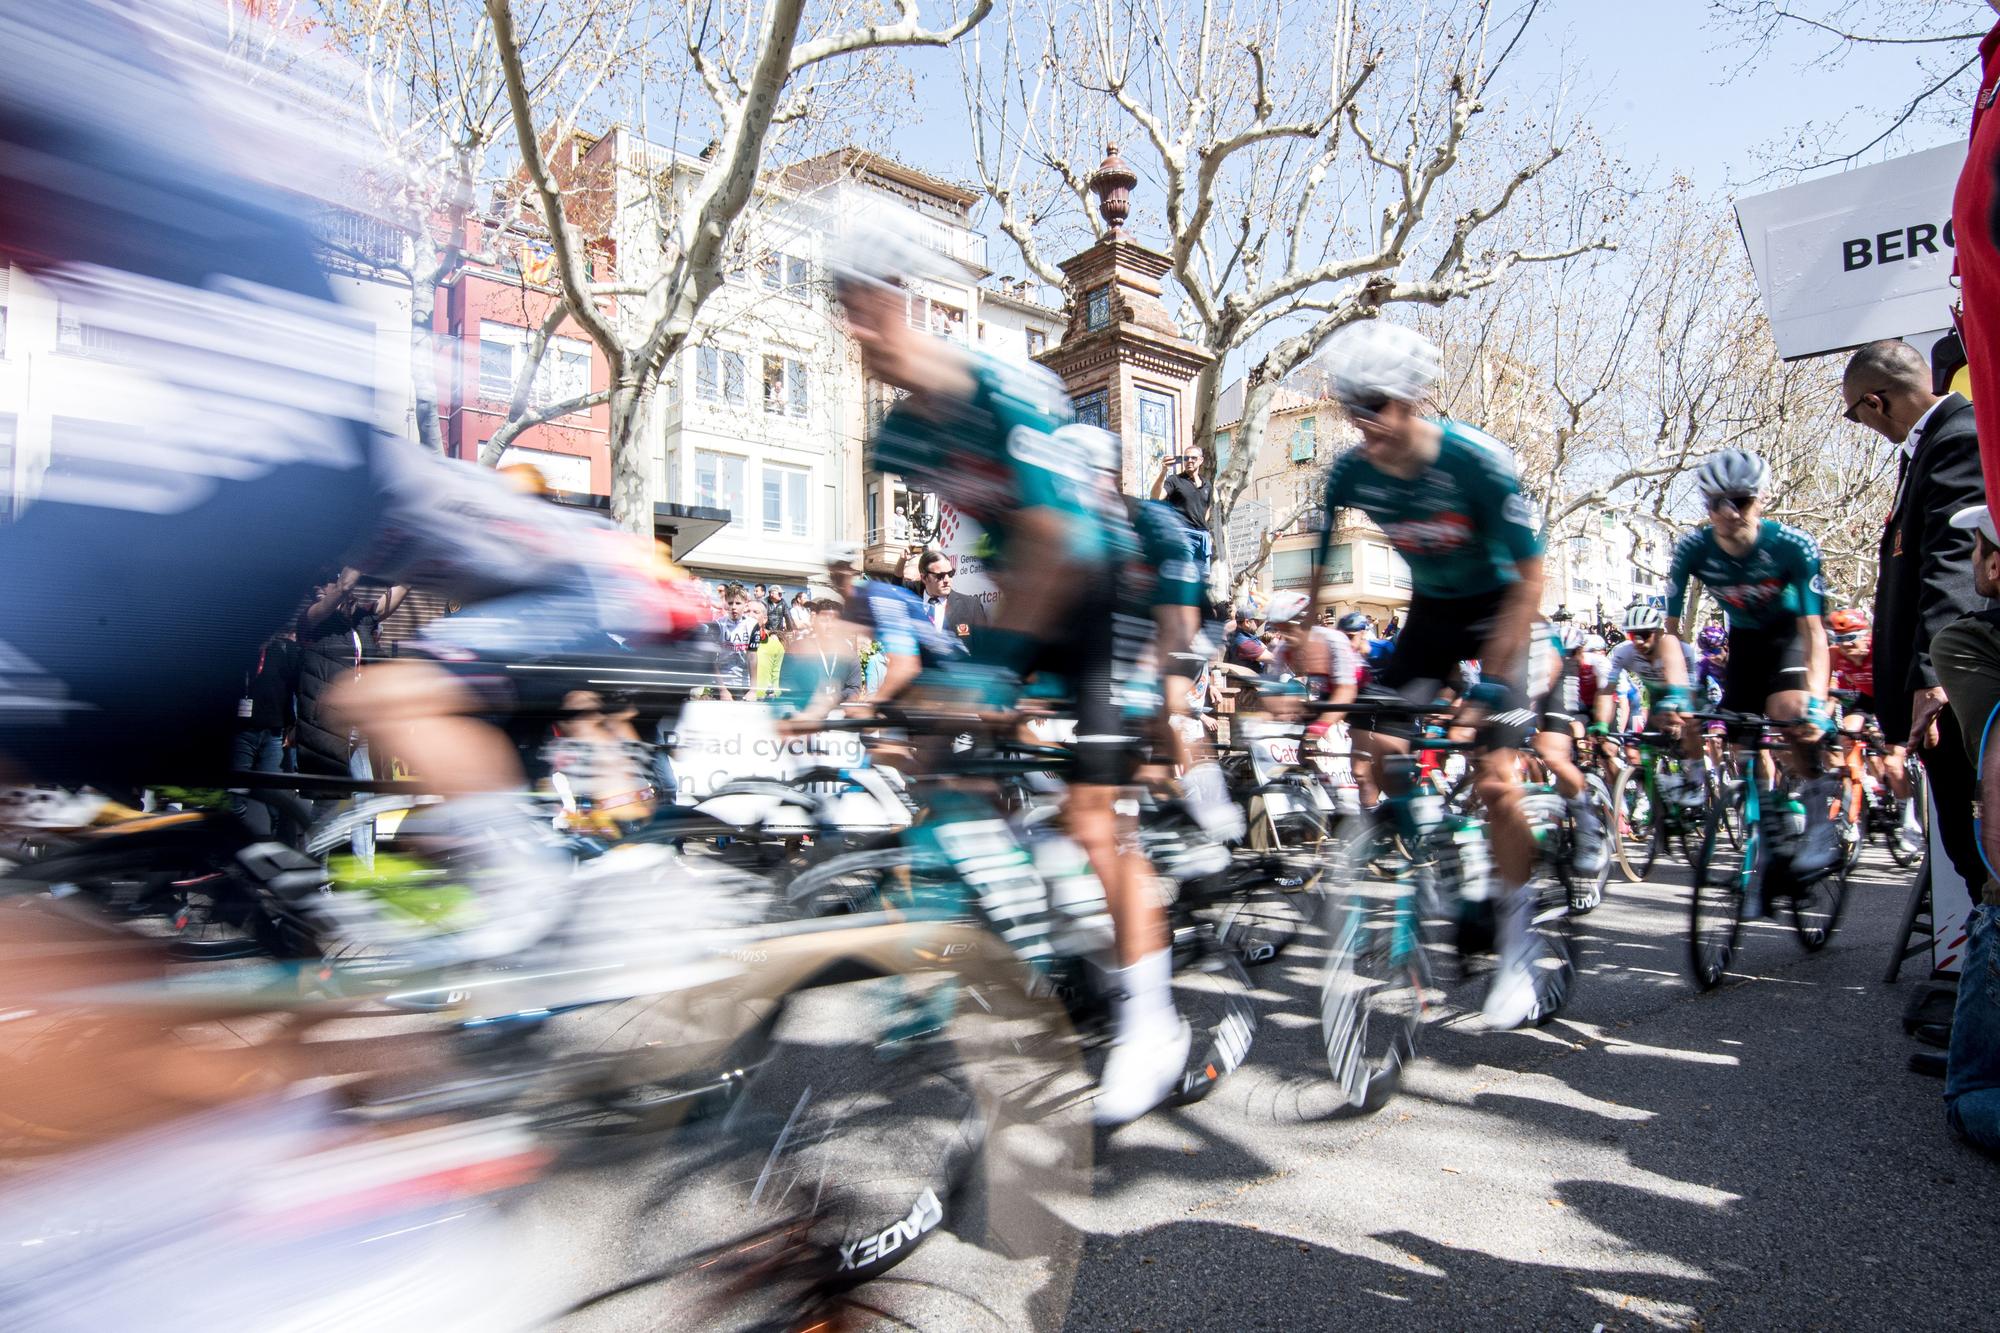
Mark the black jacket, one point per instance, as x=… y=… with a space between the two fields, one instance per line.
x=963 y=613
x=1924 y=578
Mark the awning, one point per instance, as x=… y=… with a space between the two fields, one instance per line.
x=681 y=527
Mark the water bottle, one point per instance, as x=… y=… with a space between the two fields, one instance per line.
x=1426 y=811
x=1475 y=863
x=1795 y=820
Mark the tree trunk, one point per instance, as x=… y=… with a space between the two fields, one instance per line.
x=423 y=364
x=631 y=460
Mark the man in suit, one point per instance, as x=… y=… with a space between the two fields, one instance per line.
x=957 y=614
x=1924 y=579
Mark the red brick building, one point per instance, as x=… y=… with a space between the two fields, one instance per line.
x=488 y=313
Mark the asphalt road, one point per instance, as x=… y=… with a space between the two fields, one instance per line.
x=1758 y=1157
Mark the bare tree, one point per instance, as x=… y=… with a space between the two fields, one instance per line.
x=752 y=69
x=1316 y=165
x=1937 y=42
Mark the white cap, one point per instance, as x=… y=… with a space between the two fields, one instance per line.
x=1286 y=607
x=844 y=553
x=1976 y=518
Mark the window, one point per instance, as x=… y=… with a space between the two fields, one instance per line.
x=718 y=375
x=1223 y=439
x=784 y=386
x=1340 y=563
x=718 y=483
x=1097 y=307
x=772 y=269
x=1156 y=431
x=785 y=500
x=1305 y=439
x=1292 y=569
x=798 y=278
x=78 y=337
x=1399 y=570
x=1094 y=409
x=1378 y=567
x=1038 y=342
x=564 y=371
x=935 y=317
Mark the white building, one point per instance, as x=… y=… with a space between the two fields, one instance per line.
x=765 y=412
x=1604 y=560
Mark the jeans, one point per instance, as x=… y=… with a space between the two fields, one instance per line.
x=1972 y=1070
x=256 y=750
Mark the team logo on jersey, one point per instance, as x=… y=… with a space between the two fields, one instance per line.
x=1430 y=536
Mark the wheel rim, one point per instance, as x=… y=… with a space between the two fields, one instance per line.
x=1716 y=915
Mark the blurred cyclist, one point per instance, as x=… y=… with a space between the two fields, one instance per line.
x=980 y=433
x=1447 y=497
x=1663 y=667
x=1554 y=684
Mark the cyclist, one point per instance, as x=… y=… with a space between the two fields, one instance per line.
x=1662 y=666
x=1851 y=638
x=1333 y=671
x=980 y=433
x=1767 y=577
x=1555 y=680
x=893 y=617
x=1712 y=673
x=1446 y=495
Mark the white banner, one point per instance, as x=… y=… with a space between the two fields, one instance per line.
x=717 y=743
x=1856 y=256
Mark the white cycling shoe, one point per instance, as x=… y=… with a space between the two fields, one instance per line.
x=1587 y=849
x=1143 y=1070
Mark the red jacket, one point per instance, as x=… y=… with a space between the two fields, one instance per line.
x=1979 y=265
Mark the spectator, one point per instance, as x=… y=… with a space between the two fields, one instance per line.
x=1924 y=571
x=735 y=633
x=823 y=666
x=1966 y=654
x=770 y=658
x=1179 y=487
x=340 y=629
x=957 y=614
x=263 y=715
x=800 y=615
x=777 y=619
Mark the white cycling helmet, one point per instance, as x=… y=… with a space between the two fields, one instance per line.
x=1594 y=643
x=1371 y=361
x=1096 y=445
x=1569 y=635
x=844 y=553
x=884 y=251
x=1643 y=615
x=1285 y=607
x=1733 y=472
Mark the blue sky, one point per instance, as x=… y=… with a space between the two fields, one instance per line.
x=1659 y=79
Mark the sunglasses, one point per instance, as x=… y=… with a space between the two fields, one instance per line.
x=1848 y=639
x=938 y=573
x=1735 y=504
x=1368 y=407
x=1646 y=634
x=1853 y=412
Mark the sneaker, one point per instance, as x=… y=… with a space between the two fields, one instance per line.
x=1587 y=842
x=1143 y=1070
x=1512 y=997
x=1820 y=848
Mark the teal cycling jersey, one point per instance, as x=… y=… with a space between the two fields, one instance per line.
x=1164 y=572
x=993 y=454
x=1461 y=524
x=1774 y=583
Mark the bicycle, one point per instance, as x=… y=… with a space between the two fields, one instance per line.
x=1387 y=939
x=1731 y=883
x=1647 y=821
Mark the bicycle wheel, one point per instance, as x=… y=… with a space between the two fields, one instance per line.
x=1636 y=829
x=1372 y=996
x=907 y=1131
x=1555 y=960
x=1585 y=893
x=1721 y=880
x=1212 y=992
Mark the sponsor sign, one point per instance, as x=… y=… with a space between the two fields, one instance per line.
x=718 y=743
x=1856 y=256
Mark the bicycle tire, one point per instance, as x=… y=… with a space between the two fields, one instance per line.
x=1817 y=904
x=1715 y=913
x=1585 y=895
x=1212 y=992
x=1630 y=797
x=1373 y=991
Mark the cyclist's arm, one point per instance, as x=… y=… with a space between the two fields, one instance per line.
x=1818 y=659
x=1677 y=583
x=1042 y=575
x=1334 y=499
x=1673 y=661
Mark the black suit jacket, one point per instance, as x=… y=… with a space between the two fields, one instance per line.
x=1924 y=578
x=963 y=609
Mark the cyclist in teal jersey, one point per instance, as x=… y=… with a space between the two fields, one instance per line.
x=1767 y=577
x=1446 y=496
x=982 y=434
